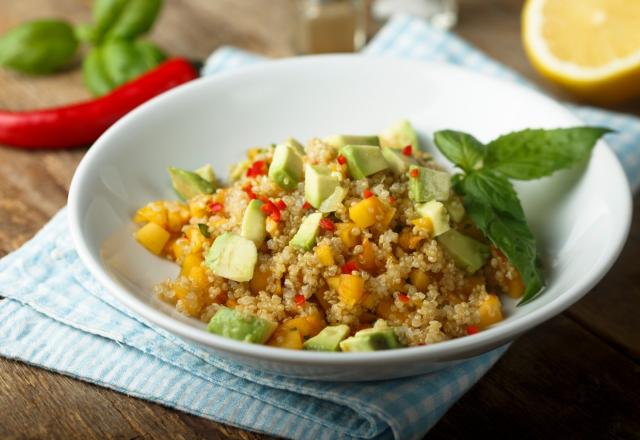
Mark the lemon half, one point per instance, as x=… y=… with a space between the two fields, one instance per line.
x=591 y=47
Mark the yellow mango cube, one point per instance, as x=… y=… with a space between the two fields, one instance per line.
x=259 y=282
x=350 y=289
x=420 y=280
x=199 y=278
x=515 y=286
x=408 y=240
x=365 y=213
x=367 y=258
x=153 y=237
x=324 y=255
x=490 y=311
x=344 y=232
x=333 y=282
x=423 y=224
x=285 y=337
x=189 y=262
x=177 y=217
x=154 y=212
x=308 y=326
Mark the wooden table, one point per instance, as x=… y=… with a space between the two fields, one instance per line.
x=576 y=376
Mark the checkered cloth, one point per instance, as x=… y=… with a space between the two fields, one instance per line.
x=58 y=317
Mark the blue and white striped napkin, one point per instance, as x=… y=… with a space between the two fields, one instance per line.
x=58 y=317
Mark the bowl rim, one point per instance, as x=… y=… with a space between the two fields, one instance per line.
x=491 y=337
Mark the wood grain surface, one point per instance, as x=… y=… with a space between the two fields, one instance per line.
x=575 y=376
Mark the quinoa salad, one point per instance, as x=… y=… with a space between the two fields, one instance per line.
x=345 y=243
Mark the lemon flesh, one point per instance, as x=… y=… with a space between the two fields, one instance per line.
x=591 y=47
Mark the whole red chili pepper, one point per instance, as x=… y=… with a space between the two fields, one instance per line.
x=82 y=123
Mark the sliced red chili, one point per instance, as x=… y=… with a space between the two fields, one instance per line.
x=408 y=150
x=414 y=173
x=247 y=188
x=281 y=205
x=341 y=159
x=367 y=193
x=403 y=297
x=215 y=207
x=472 y=329
x=327 y=224
x=299 y=299
x=258 y=168
x=306 y=205
x=275 y=215
x=392 y=200
x=349 y=267
x=268 y=208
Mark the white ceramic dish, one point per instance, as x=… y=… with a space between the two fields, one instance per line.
x=581 y=217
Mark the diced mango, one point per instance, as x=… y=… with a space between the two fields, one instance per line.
x=177 y=217
x=344 y=232
x=325 y=255
x=253 y=152
x=365 y=213
x=199 y=278
x=490 y=311
x=176 y=248
x=367 y=258
x=408 y=240
x=198 y=207
x=154 y=212
x=350 y=289
x=196 y=239
x=334 y=282
x=153 y=237
x=308 y=326
x=423 y=224
x=189 y=262
x=231 y=303
x=515 y=286
x=388 y=216
x=285 y=337
x=259 y=282
x=420 y=280
x=369 y=301
x=273 y=227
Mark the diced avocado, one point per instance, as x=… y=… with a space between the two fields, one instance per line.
x=398 y=162
x=328 y=339
x=332 y=203
x=305 y=238
x=254 y=225
x=371 y=339
x=363 y=160
x=188 y=184
x=239 y=169
x=427 y=184
x=456 y=209
x=319 y=184
x=341 y=140
x=399 y=135
x=241 y=326
x=286 y=166
x=295 y=144
x=437 y=213
x=207 y=173
x=233 y=257
x=467 y=253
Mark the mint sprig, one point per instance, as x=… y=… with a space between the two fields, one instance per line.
x=489 y=197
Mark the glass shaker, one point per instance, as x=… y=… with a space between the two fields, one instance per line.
x=324 y=26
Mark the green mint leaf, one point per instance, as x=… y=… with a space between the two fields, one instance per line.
x=534 y=153
x=124 y=19
x=38 y=47
x=204 y=230
x=494 y=207
x=460 y=148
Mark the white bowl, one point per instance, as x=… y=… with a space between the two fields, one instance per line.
x=580 y=217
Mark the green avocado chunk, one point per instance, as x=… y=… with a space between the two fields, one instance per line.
x=286 y=167
x=254 y=223
x=455 y=208
x=467 y=253
x=437 y=213
x=233 y=257
x=241 y=326
x=305 y=238
x=371 y=339
x=399 y=135
x=188 y=184
x=398 y=162
x=319 y=184
x=428 y=185
x=328 y=339
x=341 y=140
x=207 y=173
x=363 y=160
x=295 y=144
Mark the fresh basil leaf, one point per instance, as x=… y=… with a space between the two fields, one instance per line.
x=493 y=206
x=38 y=47
x=534 y=153
x=134 y=19
x=460 y=148
x=94 y=74
x=105 y=15
x=204 y=230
